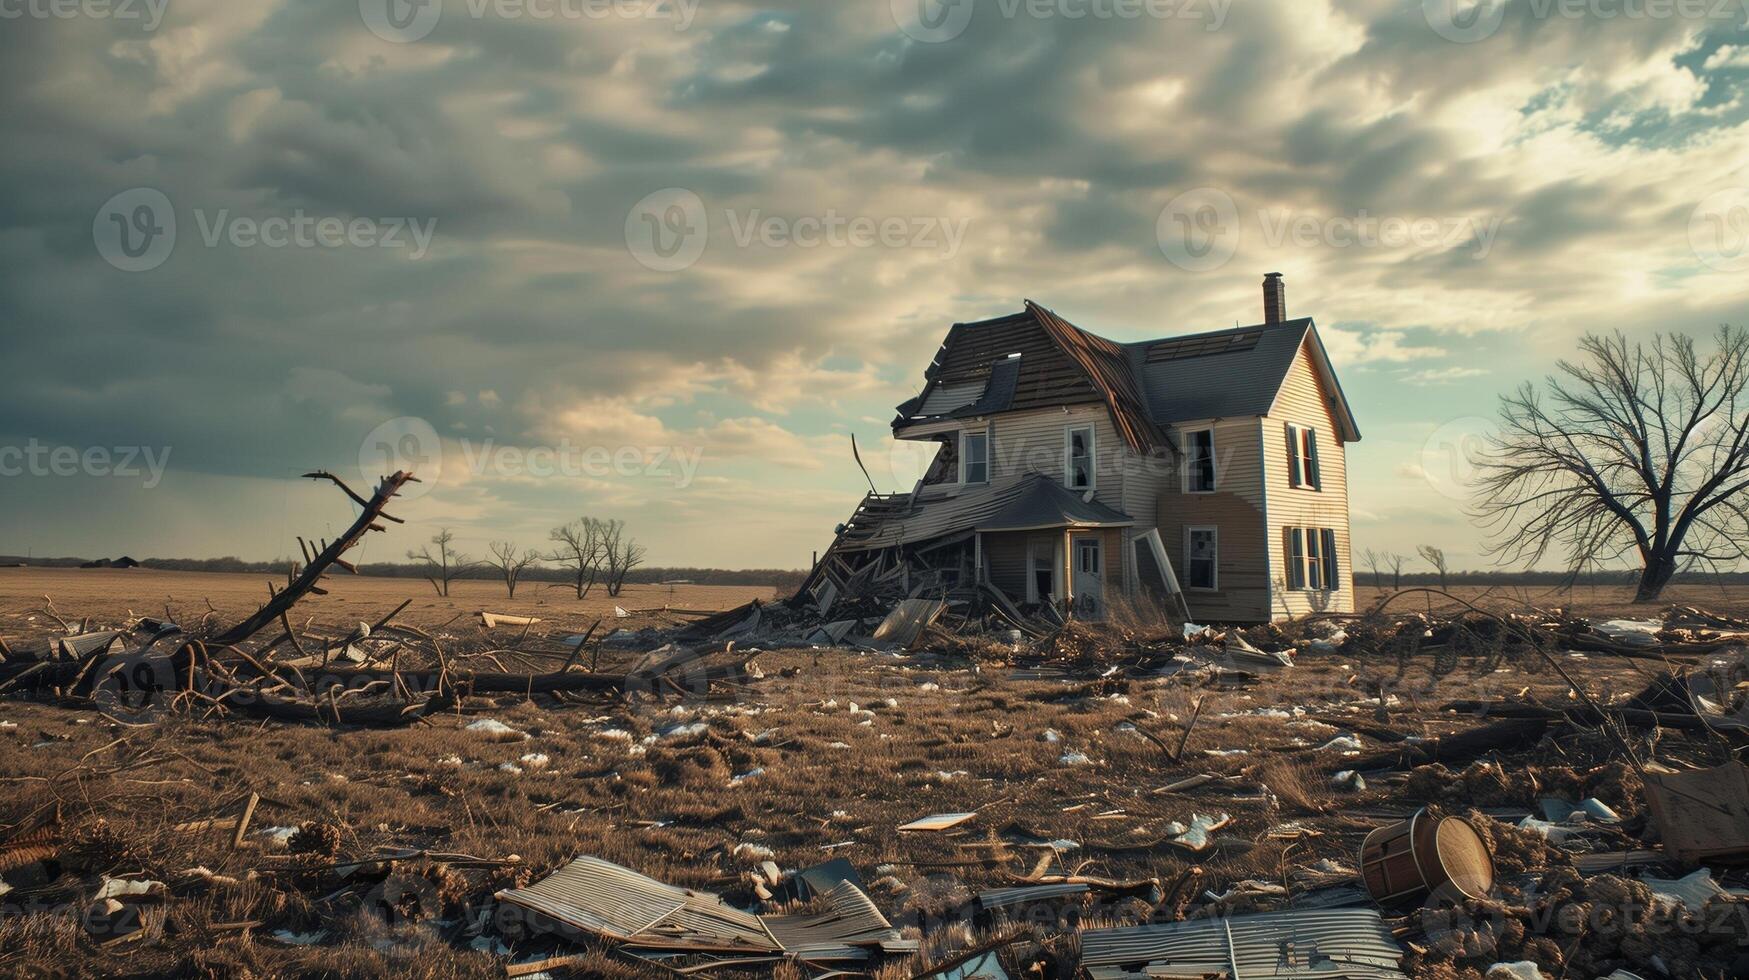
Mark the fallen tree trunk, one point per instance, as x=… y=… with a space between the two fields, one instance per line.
x=1459 y=749
x=1635 y=717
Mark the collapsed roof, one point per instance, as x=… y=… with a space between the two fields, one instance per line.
x=1036 y=359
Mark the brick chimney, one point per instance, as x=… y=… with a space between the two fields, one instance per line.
x=1274 y=298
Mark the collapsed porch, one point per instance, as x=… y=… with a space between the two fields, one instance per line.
x=1028 y=546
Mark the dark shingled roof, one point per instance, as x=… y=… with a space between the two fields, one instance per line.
x=1146 y=385
x=1218 y=385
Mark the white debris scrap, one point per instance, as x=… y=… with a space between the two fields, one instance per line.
x=277 y=836
x=1199 y=835
x=1350 y=780
x=496 y=730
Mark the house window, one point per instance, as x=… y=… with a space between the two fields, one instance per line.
x=1202 y=552
x=1087 y=555
x=1199 y=452
x=1302 y=458
x=1078 y=446
x=1311 y=559
x=975 y=461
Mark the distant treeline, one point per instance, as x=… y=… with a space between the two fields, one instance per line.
x=791 y=578
x=781 y=577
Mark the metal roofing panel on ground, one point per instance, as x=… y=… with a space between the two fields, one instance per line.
x=997 y=898
x=1329 y=944
x=602 y=898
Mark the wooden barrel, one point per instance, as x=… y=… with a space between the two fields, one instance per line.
x=1405 y=862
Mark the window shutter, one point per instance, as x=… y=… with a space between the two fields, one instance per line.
x=1293 y=456
x=1296 y=558
x=1332 y=578
x=1312 y=460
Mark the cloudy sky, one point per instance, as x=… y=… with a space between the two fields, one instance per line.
x=659 y=260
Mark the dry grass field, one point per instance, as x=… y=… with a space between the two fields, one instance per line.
x=821 y=757
x=111 y=594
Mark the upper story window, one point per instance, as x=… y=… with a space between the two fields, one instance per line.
x=1199 y=461
x=1302 y=458
x=975 y=457
x=1078 y=466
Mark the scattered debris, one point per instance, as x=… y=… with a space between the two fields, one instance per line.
x=1702 y=814
x=937 y=823
x=602 y=899
x=1406 y=861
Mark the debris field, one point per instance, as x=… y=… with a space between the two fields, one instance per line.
x=903 y=785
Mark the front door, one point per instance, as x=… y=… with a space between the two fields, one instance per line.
x=1043 y=561
x=1089 y=578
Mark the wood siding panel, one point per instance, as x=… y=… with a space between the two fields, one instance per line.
x=1303 y=401
x=1033 y=442
x=1236 y=508
x=1005 y=560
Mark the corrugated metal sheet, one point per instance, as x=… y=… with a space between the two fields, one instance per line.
x=1330 y=944
x=604 y=899
x=997 y=898
x=945 y=399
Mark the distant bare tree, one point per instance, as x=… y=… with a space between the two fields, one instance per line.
x=1635 y=450
x=620 y=554
x=1396 y=563
x=1375 y=562
x=578 y=547
x=510 y=563
x=1435 y=557
x=443 y=565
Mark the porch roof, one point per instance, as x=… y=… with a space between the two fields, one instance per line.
x=1031 y=502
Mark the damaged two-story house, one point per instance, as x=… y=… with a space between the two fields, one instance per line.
x=1073 y=472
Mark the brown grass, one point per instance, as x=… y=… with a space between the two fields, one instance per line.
x=931 y=733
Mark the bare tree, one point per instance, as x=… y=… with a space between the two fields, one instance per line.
x=510 y=563
x=620 y=553
x=1636 y=450
x=577 y=546
x=1435 y=557
x=1396 y=563
x=1374 y=562
x=443 y=565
